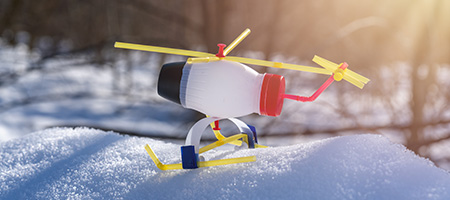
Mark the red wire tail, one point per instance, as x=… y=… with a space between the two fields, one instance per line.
x=312 y=97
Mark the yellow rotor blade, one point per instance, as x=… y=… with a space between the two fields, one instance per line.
x=202 y=60
x=236 y=41
x=330 y=66
x=350 y=76
x=358 y=81
x=354 y=81
x=277 y=65
x=357 y=76
x=166 y=50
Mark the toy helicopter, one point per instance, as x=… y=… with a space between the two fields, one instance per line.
x=222 y=87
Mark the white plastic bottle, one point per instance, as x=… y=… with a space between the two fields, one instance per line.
x=222 y=89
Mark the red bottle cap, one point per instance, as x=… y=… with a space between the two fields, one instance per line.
x=272 y=95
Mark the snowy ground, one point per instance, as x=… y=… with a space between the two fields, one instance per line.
x=83 y=163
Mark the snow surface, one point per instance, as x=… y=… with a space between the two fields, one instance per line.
x=84 y=163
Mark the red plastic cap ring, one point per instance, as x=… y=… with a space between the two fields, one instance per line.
x=272 y=95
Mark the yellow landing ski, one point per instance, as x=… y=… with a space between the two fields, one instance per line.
x=210 y=163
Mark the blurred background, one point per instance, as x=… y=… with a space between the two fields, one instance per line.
x=58 y=66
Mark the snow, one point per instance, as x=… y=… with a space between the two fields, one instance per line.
x=83 y=163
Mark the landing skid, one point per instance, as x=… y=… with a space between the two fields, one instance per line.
x=190 y=152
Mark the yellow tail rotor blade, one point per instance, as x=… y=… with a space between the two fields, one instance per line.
x=350 y=76
x=166 y=50
x=330 y=66
x=354 y=81
x=277 y=65
x=357 y=76
x=236 y=41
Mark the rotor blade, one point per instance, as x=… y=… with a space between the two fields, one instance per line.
x=330 y=66
x=324 y=62
x=236 y=41
x=278 y=65
x=327 y=61
x=333 y=66
x=357 y=76
x=202 y=60
x=166 y=50
x=354 y=81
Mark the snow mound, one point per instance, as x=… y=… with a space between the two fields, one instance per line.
x=84 y=163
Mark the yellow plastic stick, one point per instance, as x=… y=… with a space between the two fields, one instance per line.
x=330 y=66
x=172 y=166
x=353 y=81
x=278 y=65
x=200 y=164
x=166 y=50
x=304 y=68
x=350 y=76
x=226 y=161
x=202 y=60
x=260 y=146
x=221 y=142
x=159 y=164
x=357 y=76
x=236 y=41
x=219 y=135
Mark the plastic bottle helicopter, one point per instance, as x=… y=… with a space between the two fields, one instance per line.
x=221 y=87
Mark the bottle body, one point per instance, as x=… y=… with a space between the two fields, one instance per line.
x=221 y=89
